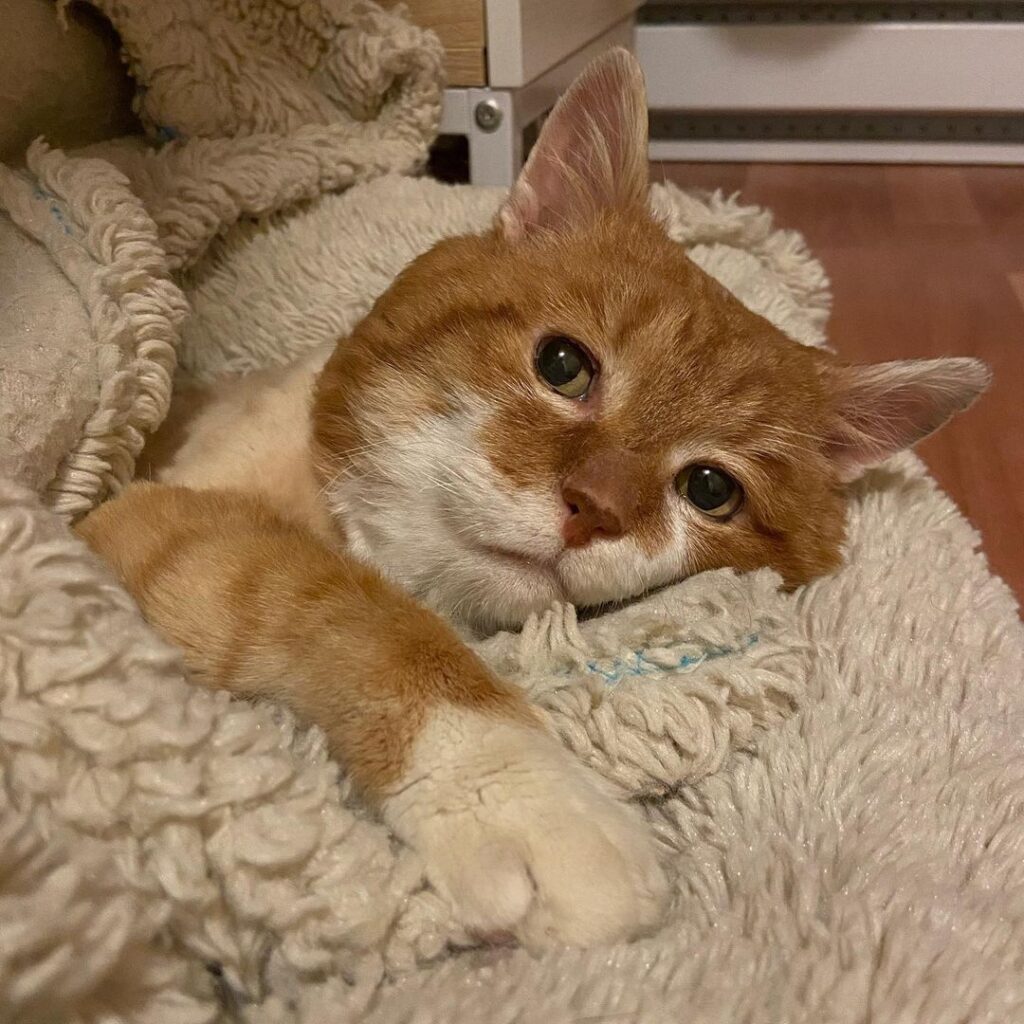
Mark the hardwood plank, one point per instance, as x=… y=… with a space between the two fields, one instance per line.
x=830 y=203
x=1016 y=279
x=459 y=25
x=924 y=262
x=465 y=67
x=729 y=178
x=999 y=198
x=931 y=195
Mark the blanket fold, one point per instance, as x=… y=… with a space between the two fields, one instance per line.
x=267 y=103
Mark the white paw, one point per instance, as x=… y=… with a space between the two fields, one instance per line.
x=525 y=840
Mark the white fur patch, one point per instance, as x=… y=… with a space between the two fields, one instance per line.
x=427 y=507
x=522 y=838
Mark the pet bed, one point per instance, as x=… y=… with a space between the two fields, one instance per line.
x=836 y=776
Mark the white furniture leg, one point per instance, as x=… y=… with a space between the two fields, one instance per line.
x=487 y=117
x=495 y=138
x=493 y=120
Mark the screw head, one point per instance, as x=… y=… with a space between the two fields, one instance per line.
x=487 y=115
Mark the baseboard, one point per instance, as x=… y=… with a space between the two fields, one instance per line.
x=935 y=67
x=853 y=152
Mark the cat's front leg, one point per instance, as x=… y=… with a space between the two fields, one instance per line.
x=519 y=835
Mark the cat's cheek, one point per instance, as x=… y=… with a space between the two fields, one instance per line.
x=514 y=529
x=734 y=544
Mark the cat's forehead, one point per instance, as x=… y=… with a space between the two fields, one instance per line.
x=673 y=346
x=677 y=356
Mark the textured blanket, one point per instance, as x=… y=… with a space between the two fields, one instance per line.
x=251 y=107
x=837 y=776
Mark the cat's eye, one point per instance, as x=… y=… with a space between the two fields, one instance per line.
x=564 y=365
x=711 y=490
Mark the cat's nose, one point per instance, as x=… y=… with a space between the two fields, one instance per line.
x=599 y=498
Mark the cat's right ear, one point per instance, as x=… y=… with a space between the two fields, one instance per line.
x=883 y=408
x=591 y=154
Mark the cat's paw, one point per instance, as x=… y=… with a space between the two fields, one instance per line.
x=523 y=839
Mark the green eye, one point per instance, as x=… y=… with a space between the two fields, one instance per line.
x=711 y=490
x=565 y=366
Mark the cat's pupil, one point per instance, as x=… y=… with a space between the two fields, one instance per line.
x=565 y=366
x=709 y=488
x=560 y=361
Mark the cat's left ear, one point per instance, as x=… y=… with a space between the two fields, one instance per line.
x=591 y=154
x=886 y=407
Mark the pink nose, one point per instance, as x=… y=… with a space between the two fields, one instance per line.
x=600 y=499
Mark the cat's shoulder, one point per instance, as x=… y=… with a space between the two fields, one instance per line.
x=245 y=432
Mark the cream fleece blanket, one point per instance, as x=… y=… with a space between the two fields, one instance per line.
x=836 y=775
x=266 y=103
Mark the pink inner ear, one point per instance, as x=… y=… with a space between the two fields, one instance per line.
x=591 y=154
x=887 y=407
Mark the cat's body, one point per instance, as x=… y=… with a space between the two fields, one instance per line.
x=564 y=408
x=250 y=434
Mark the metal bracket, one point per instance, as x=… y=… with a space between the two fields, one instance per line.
x=493 y=120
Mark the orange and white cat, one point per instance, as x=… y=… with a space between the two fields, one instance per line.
x=562 y=409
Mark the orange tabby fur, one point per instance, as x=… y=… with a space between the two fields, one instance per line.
x=690 y=361
x=428 y=447
x=224 y=577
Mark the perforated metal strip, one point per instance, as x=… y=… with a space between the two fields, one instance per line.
x=667 y=12
x=667 y=124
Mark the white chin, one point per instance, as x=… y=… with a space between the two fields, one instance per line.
x=491 y=596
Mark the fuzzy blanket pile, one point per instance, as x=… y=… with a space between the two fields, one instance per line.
x=836 y=776
x=266 y=103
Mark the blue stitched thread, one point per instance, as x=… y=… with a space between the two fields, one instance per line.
x=592 y=666
x=40 y=193
x=640 y=665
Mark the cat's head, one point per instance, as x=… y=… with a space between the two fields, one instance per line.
x=567 y=408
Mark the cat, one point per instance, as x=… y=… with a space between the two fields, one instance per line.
x=564 y=408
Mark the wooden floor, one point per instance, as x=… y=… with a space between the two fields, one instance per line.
x=924 y=261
